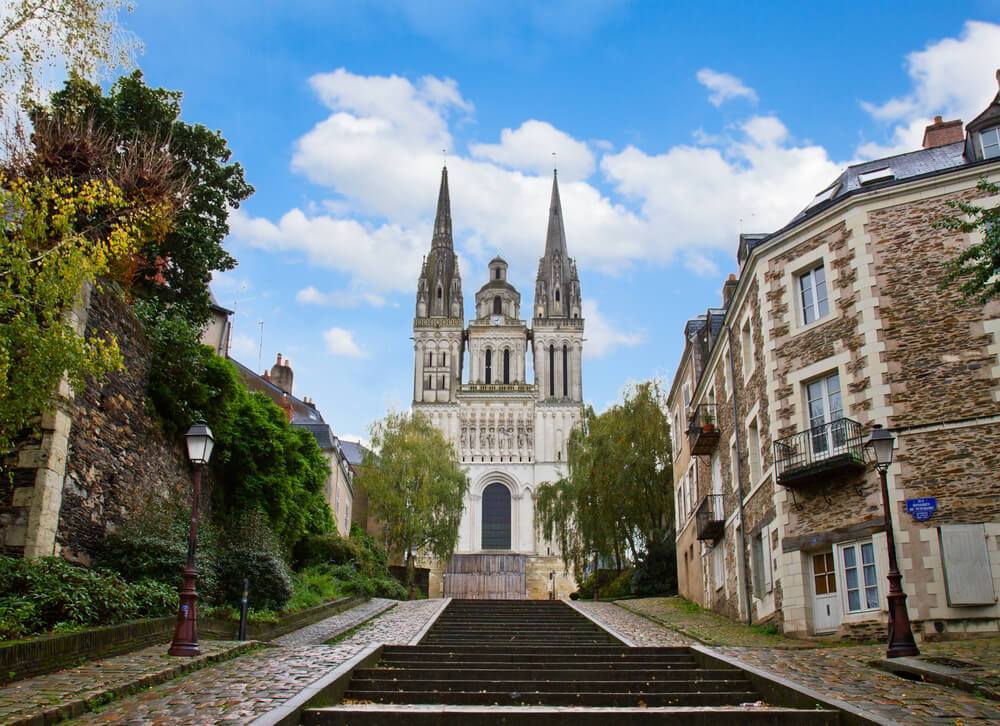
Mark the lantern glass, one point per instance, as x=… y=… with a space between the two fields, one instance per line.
x=879 y=447
x=199 y=443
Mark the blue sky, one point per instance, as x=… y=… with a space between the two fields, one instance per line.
x=673 y=127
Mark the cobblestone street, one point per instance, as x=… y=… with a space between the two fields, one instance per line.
x=245 y=687
x=841 y=672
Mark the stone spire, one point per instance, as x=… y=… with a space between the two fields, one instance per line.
x=442 y=221
x=439 y=288
x=557 y=287
x=555 y=237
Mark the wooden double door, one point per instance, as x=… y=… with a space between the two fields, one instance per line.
x=486 y=577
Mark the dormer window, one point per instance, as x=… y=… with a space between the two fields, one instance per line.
x=989 y=140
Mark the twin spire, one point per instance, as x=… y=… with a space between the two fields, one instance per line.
x=557 y=287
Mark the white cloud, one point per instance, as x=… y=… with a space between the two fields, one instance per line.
x=530 y=148
x=700 y=265
x=693 y=197
x=341 y=342
x=724 y=87
x=338 y=298
x=359 y=251
x=378 y=153
x=601 y=336
x=953 y=77
x=242 y=346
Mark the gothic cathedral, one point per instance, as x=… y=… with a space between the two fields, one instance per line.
x=510 y=433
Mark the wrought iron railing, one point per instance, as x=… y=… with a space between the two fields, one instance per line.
x=703 y=429
x=830 y=445
x=710 y=519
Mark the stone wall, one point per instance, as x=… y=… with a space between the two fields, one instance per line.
x=118 y=462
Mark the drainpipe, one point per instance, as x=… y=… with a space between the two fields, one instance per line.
x=739 y=486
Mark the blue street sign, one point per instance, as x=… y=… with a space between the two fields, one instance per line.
x=922 y=508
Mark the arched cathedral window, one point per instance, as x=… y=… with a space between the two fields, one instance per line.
x=565 y=372
x=506 y=365
x=552 y=370
x=557 y=294
x=489 y=365
x=497 y=305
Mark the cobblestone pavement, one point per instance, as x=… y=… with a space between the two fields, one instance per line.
x=245 y=688
x=634 y=627
x=844 y=673
x=65 y=693
x=320 y=632
x=707 y=627
x=841 y=672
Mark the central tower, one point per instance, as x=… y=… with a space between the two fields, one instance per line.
x=510 y=432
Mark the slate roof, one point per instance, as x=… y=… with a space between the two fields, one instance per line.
x=354 y=451
x=320 y=431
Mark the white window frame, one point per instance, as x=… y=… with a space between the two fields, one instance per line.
x=805 y=282
x=746 y=349
x=753 y=452
x=763 y=577
x=864 y=587
x=984 y=135
x=718 y=565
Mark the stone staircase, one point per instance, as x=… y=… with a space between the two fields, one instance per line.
x=505 y=662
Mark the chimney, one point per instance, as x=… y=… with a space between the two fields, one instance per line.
x=941 y=133
x=286 y=406
x=729 y=289
x=281 y=375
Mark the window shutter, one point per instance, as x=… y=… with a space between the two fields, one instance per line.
x=967 y=574
x=881 y=568
x=757 y=554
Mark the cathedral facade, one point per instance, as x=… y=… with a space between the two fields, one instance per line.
x=472 y=382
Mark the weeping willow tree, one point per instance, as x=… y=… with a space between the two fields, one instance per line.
x=618 y=495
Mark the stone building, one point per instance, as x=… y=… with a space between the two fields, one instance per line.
x=834 y=323
x=302 y=413
x=472 y=382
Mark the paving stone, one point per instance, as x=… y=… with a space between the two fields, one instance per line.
x=246 y=688
x=841 y=672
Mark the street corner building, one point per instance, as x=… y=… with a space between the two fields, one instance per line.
x=471 y=381
x=835 y=323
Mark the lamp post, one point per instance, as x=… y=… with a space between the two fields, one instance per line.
x=878 y=450
x=199 y=445
x=597 y=575
x=412 y=574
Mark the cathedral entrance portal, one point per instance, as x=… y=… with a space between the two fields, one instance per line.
x=496 y=517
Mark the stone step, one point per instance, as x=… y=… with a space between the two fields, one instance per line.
x=422 y=715
x=552 y=684
x=569 y=673
x=523 y=651
x=554 y=698
x=490 y=660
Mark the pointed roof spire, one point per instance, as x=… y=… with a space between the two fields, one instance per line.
x=442 y=222
x=555 y=238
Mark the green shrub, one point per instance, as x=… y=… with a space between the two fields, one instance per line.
x=620 y=586
x=48 y=593
x=138 y=555
x=587 y=586
x=270 y=580
x=373 y=559
x=313 y=586
x=320 y=549
x=656 y=573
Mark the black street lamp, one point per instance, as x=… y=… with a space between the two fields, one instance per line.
x=597 y=575
x=878 y=450
x=199 y=446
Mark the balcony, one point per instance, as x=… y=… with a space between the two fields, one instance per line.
x=819 y=453
x=703 y=432
x=709 y=519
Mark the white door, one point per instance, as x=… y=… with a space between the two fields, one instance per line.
x=826 y=604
